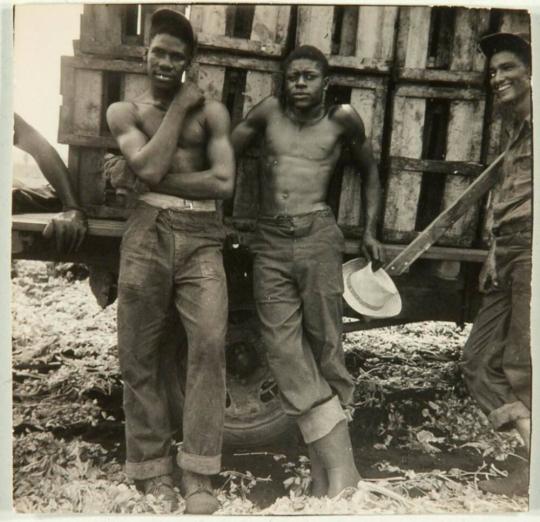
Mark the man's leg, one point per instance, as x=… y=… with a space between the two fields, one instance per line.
x=144 y=301
x=201 y=300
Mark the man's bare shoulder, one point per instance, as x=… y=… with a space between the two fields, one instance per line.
x=216 y=115
x=122 y=113
x=346 y=116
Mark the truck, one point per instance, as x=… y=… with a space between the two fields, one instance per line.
x=414 y=74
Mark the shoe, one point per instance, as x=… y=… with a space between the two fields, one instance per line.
x=198 y=494
x=334 y=451
x=516 y=484
x=161 y=487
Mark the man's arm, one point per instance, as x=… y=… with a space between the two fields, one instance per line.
x=252 y=125
x=150 y=159
x=366 y=165
x=217 y=182
x=69 y=226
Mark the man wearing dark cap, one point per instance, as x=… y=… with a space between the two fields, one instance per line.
x=177 y=143
x=496 y=359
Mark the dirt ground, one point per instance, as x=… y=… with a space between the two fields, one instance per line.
x=420 y=443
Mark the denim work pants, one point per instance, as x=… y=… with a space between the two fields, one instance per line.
x=172 y=259
x=496 y=361
x=298 y=286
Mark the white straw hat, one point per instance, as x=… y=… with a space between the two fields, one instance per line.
x=370 y=293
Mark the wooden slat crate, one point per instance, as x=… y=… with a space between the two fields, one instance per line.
x=352 y=37
x=431 y=124
x=441 y=44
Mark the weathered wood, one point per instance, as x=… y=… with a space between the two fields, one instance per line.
x=376 y=33
x=239 y=62
x=470 y=24
x=472 y=78
x=87 y=102
x=79 y=140
x=464 y=141
x=315 y=27
x=95 y=63
x=102 y=24
x=437 y=228
x=403 y=187
x=133 y=85
x=515 y=21
x=349 y=28
x=414 y=36
x=461 y=168
x=91 y=178
x=367 y=65
x=451 y=93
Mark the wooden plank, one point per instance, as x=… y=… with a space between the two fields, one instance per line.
x=364 y=64
x=417 y=36
x=133 y=85
x=91 y=178
x=470 y=24
x=315 y=27
x=87 y=102
x=282 y=24
x=472 y=78
x=447 y=218
x=102 y=24
x=349 y=28
x=403 y=187
x=461 y=168
x=452 y=93
x=515 y=21
x=376 y=33
x=87 y=140
x=464 y=141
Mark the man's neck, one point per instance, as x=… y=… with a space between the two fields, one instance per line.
x=522 y=109
x=163 y=97
x=303 y=117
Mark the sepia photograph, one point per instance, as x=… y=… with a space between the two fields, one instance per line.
x=271 y=259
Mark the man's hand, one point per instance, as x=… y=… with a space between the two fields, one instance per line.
x=372 y=248
x=488 y=279
x=189 y=96
x=69 y=229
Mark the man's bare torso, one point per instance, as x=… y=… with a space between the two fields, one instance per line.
x=299 y=160
x=191 y=152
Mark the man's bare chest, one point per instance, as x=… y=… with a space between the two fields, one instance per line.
x=192 y=132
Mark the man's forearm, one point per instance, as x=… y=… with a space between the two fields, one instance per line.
x=372 y=201
x=195 y=185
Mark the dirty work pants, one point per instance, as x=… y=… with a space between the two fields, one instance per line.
x=298 y=286
x=172 y=259
x=496 y=360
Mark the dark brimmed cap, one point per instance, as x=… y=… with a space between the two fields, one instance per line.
x=175 y=23
x=518 y=43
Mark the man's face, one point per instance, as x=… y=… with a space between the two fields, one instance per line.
x=304 y=84
x=168 y=57
x=509 y=78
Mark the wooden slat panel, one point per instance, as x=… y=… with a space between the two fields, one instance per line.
x=133 y=86
x=87 y=102
x=416 y=37
x=349 y=27
x=91 y=178
x=464 y=141
x=102 y=23
x=350 y=200
x=403 y=188
x=515 y=21
x=470 y=24
x=315 y=27
x=376 y=32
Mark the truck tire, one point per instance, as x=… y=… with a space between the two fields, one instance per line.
x=253 y=414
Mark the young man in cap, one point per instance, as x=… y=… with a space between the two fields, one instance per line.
x=178 y=143
x=496 y=357
x=298 y=256
x=69 y=225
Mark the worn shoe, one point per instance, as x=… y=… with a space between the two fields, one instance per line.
x=161 y=487
x=198 y=494
x=516 y=484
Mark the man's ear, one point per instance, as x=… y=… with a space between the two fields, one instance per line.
x=326 y=83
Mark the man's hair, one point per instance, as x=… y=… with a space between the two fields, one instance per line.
x=174 y=24
x=516 y=43
x=307 y=52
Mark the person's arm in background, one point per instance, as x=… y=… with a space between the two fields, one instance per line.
x=69 y=227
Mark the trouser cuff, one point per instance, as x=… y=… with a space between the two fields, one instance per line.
x=320 y=420
x=508 y=413
x=201 y=464
x=149 y=468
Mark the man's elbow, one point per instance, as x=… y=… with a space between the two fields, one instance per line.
x=224 y=185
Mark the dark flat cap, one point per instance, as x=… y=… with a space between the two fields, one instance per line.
x=497 y=42
x=182 y=26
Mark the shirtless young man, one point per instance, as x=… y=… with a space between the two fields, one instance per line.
x=298 y=256
x=178 y=144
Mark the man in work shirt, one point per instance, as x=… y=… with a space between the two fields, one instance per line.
x=178 y=144
x=298 y=256
x=496 y=358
